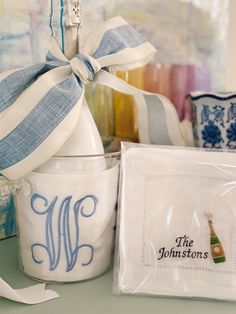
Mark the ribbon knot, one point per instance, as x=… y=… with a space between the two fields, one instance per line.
x=85 y=67
x=40 y=105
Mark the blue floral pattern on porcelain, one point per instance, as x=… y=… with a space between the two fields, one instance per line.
x=211 y=135
x=214 y=120
x=231 y=136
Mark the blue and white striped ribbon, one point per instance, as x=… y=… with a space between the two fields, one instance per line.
x=40 y=105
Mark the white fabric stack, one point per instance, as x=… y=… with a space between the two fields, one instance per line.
x=165 y=195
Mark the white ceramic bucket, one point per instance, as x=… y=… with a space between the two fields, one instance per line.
x=66 y=222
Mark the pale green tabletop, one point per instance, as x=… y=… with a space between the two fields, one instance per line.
x=94 y=296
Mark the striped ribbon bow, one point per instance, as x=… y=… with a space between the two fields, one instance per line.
x=40 y=104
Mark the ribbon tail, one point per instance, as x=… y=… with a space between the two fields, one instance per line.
x=30 y=295
x=157 y=118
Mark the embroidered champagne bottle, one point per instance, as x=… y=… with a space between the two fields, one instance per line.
x=217 y=251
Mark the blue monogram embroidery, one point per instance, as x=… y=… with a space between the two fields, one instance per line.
x=67 y=234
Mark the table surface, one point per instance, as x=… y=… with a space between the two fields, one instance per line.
x=94 y=296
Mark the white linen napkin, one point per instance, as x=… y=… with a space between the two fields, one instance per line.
x=164 y=245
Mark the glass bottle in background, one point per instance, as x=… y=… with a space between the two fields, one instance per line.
x=176 y=81
x=157 y=78
x=185 y=78
x=99 y=99
x=126 y=125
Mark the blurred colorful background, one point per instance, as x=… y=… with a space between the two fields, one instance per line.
x=190 y=36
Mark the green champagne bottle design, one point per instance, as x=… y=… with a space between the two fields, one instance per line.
x=217 y=251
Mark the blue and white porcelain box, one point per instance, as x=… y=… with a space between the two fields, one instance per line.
x=214 y=119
